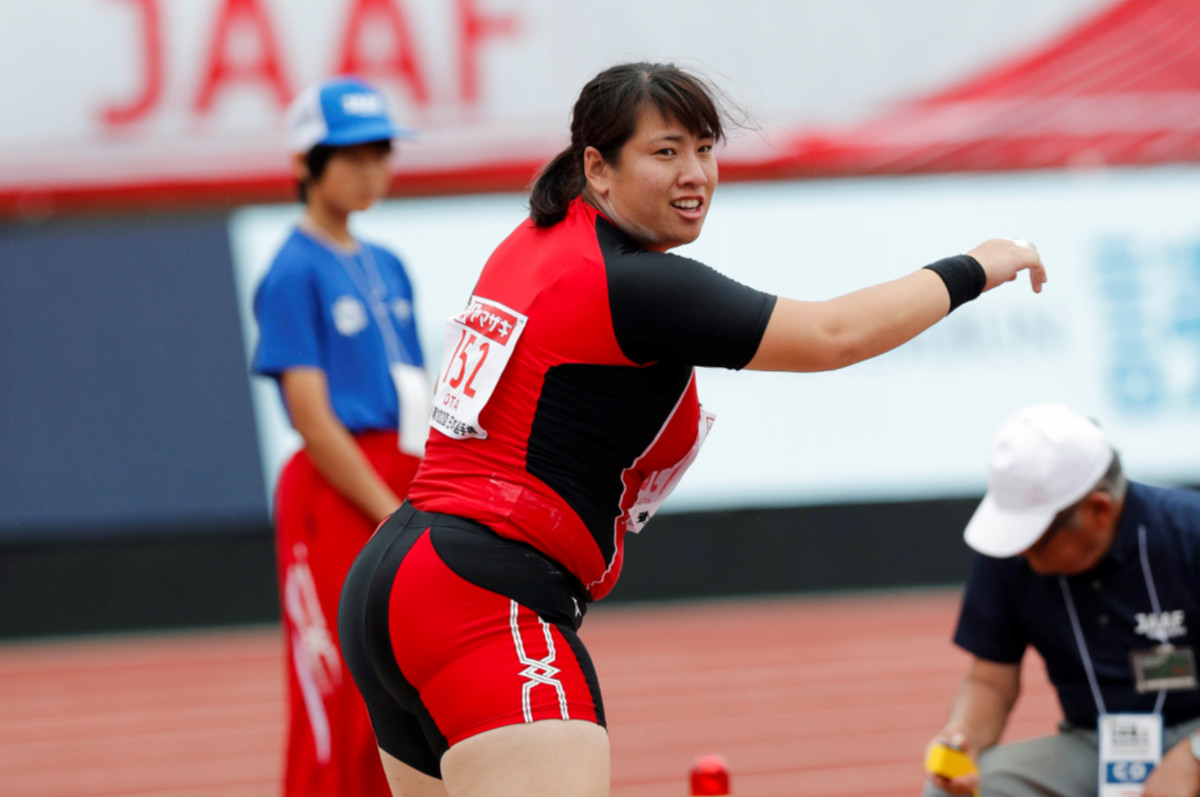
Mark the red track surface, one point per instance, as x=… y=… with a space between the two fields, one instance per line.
x=803 y=696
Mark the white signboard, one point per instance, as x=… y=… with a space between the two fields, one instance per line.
x=1115 y=334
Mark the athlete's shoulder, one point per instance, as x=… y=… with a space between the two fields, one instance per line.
x=576 y=228
x=624 y=256
x=545 y=254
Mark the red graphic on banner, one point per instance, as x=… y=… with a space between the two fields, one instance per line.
x=473 y=28
x=242 y=17
x=402 y=63
x=152 y=62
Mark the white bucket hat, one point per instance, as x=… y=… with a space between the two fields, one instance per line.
x=1043 y=459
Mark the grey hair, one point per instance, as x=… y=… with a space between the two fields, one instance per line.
x=1113 y=481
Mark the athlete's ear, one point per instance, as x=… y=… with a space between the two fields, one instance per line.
x=300 y=168
x=597 y=172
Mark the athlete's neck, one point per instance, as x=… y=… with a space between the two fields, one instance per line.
x=644 y=236
x=332 y=228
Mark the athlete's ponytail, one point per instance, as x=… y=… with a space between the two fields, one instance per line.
x=606 y=116
x=559 y=181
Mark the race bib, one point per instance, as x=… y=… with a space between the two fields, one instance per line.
x=660 y=483
x=479 y=342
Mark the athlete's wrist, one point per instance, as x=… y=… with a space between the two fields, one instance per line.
x=963 y=276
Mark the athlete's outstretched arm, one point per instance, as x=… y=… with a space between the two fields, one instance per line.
x=822 y=336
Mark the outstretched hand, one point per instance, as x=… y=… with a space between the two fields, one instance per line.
x=1003 y=258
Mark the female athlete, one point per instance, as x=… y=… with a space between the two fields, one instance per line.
x=565 y=410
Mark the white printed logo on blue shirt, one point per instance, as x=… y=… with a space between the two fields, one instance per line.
x=349 y=316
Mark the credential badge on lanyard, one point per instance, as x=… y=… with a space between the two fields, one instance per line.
x=1129 y=745
x=479 y=342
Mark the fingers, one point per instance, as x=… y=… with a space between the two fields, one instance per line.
x=1037 y=271
x=1037 y=277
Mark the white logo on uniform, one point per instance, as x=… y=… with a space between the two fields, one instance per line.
x=537 y=671
x=402 y=309
x=349 y=316
x=1166 y=625
x=362 y=105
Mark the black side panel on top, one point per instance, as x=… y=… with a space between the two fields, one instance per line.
x=667 y=307
x=592 y=422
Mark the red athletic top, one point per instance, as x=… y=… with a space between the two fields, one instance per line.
x=566 y=404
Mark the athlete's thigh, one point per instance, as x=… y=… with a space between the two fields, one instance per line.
x=562 y=758
x=405 y=781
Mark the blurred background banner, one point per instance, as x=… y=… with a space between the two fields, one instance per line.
x=142 y=102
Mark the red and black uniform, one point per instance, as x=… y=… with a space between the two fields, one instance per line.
x=566 y=410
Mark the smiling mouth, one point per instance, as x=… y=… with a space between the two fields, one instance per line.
x=686 y=204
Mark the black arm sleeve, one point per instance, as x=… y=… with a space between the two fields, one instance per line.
x=667 y=308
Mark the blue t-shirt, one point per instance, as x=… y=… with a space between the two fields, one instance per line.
x=314 y=308
x=1007 y=606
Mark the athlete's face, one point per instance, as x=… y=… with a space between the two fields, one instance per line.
x=660 y=186
x=355 y=178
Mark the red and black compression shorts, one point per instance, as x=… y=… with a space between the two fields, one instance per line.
x=450 y=630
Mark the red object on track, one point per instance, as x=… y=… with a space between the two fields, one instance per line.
x=710 y=777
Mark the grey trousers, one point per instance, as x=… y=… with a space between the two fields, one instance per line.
x=1062 y=765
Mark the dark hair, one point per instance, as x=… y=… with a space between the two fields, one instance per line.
x=316 y=160
x=605 y=117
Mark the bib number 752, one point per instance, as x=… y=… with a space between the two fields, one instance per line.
x=467 y=355
x=478 y=344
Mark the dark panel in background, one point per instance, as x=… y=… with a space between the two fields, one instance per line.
x=800 y=549
x=187 y=578
x=124 y=402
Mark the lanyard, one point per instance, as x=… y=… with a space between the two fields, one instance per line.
x=1078 y=629
x=370 y=285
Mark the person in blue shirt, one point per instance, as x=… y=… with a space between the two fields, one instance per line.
x=1100 y=575
x=337 y=333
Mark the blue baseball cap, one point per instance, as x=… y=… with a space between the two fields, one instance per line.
x=340 y=112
